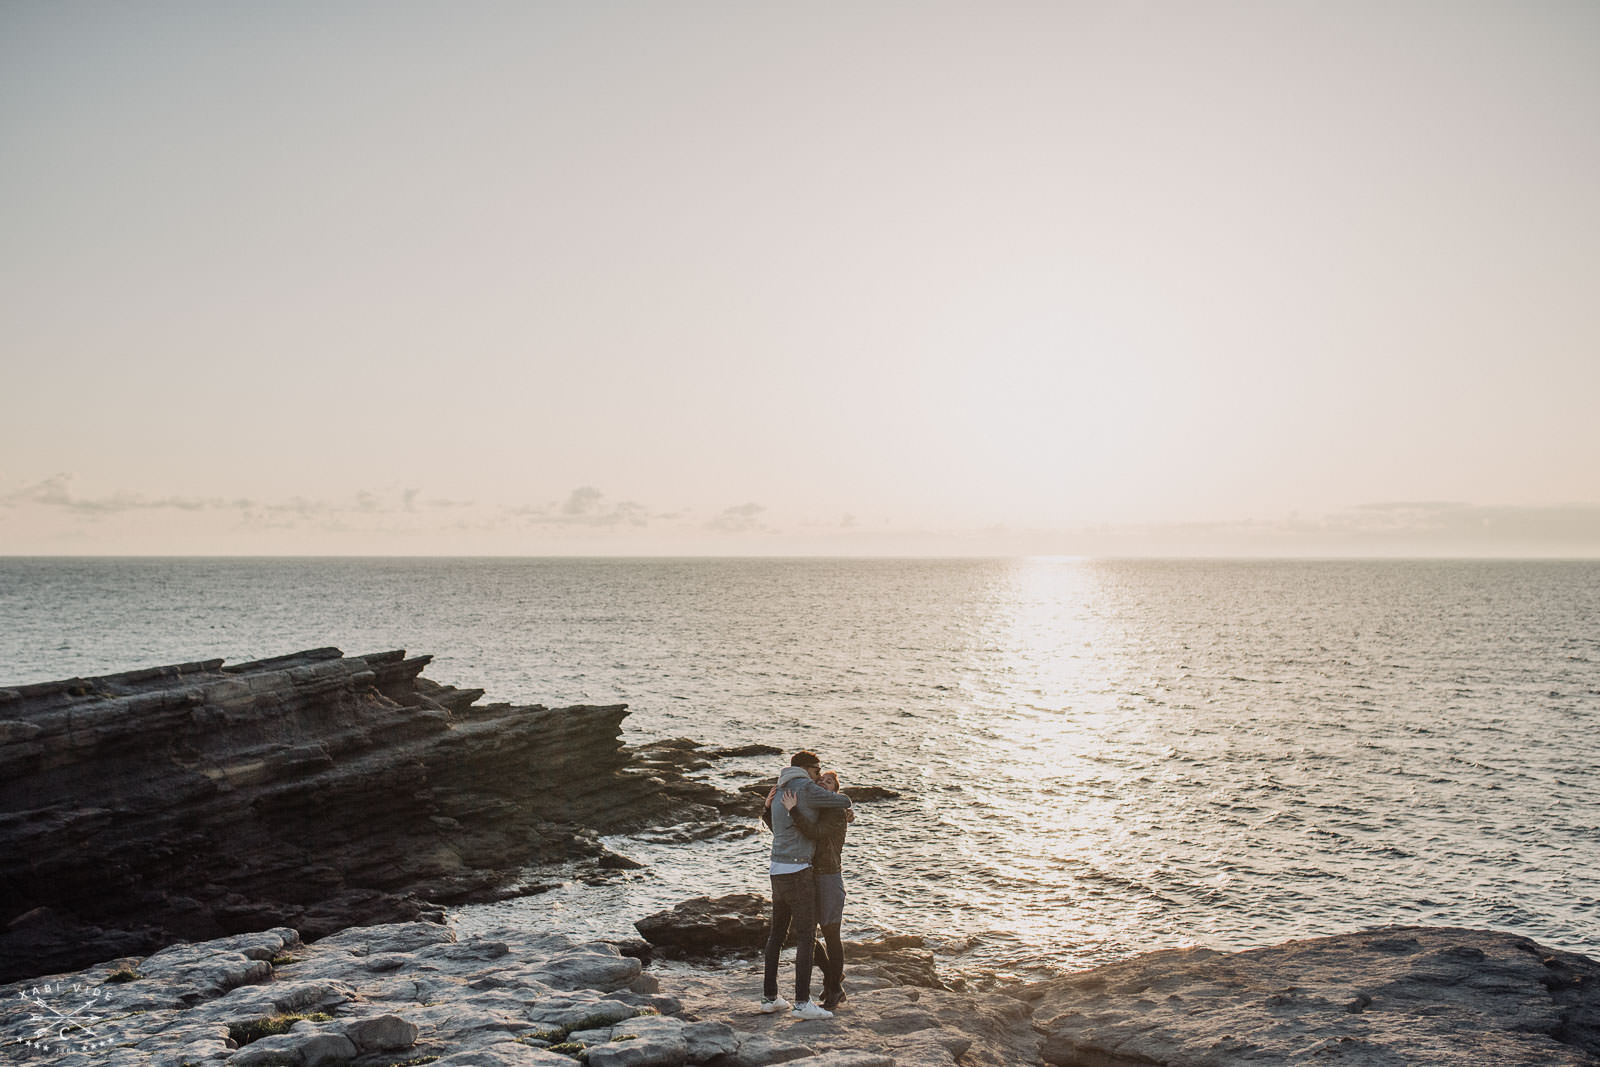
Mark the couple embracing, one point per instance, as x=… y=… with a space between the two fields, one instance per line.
x=808 y=816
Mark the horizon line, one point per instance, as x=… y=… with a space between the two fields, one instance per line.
x=1059 y=557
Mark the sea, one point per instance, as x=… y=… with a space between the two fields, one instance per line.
x=1094 y=758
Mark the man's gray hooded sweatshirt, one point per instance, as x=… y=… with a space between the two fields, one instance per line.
x=789 y=845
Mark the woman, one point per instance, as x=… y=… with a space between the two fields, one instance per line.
x=827 y=832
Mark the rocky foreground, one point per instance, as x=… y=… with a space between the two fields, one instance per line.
x=1384 y=998
x=314 y=791
x=412 y=993
x=1401 y=995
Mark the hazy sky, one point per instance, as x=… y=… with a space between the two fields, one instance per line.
x=659 y=278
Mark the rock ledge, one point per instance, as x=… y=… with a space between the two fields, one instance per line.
x=312 y=791
x=1408 y=995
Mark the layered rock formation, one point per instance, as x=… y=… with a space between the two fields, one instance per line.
x=312 y=791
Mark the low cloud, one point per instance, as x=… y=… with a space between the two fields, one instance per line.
x=741 y=518
x=1398 y=528
x=411 y=500
x=1404 y=506
x=1453 y=522
x=585 y=500
x=587 y=506
x=56 y=492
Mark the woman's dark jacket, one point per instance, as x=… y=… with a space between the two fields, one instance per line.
x=827 y=830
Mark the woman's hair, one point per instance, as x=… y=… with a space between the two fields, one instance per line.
x=831 y=780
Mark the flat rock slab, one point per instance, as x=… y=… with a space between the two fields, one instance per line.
x=1410 y=996
x=906 y=1024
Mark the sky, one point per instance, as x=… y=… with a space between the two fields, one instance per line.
x=866 y=278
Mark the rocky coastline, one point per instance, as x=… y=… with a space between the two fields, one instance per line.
x=414 y=993
x=252 y=864
x=314 y=791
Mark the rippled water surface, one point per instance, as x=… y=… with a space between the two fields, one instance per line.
x=1095 y=757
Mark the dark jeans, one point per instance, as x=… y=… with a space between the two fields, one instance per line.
x=831 y=960
x=794 y=903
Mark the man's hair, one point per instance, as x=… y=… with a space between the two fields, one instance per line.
x=805 y=758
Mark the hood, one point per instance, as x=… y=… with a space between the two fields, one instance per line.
x=790 y=774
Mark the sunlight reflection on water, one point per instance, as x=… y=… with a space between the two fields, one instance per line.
x=1094 y=757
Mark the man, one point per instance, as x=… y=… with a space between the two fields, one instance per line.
x=827 y=833
x=794 y=893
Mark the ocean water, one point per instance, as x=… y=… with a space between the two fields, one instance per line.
x=1095 y=758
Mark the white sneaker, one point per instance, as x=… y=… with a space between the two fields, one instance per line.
x=807 y=1010
x=770 y=1006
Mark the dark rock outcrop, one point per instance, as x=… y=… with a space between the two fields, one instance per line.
x=313 y=791
x=857 y=793
x=747 y=750
x=1413 y=995
x=703 y=927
